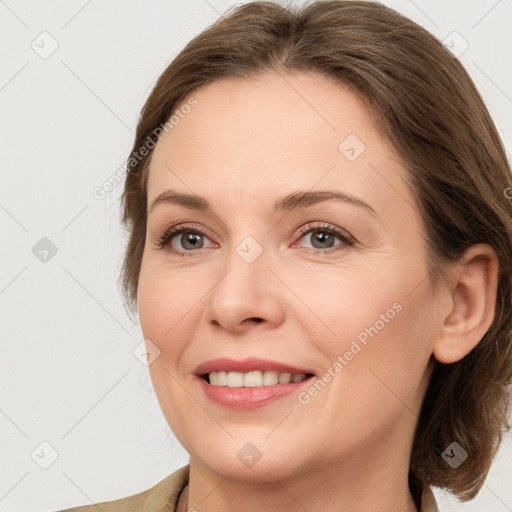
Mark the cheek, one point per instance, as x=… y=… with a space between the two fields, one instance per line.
x=375 y=339
x=349 y=304
x=165 y=300
x=384 y=363
x=164 y=308
x=166 y=314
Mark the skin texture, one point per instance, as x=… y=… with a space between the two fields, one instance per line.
x=245 y=144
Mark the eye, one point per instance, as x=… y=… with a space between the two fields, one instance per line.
x=190 y=239
x=187 y=240
x=323 y=238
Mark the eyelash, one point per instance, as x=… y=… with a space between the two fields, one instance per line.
x=347 y=240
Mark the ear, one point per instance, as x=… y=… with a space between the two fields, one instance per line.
x=472 y=305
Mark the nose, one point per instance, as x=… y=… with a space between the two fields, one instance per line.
x=246 y=295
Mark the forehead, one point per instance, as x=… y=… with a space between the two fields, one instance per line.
x=274 y=133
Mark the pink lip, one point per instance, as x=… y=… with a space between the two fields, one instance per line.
x=247 y=365
x=249 y=398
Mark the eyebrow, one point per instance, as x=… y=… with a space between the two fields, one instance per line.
x=284 y=203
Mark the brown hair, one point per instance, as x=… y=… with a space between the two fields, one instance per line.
x=431 y=114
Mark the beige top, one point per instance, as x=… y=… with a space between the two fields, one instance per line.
x=164 y=497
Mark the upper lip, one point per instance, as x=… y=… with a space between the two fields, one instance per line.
x=247 y=365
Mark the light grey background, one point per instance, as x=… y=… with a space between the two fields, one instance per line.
x=68 y=373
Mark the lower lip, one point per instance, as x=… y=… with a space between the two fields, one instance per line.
x=248 y=398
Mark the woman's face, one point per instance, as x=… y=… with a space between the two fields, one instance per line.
x=333 y=287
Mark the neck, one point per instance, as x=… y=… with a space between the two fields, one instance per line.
x=366 y=481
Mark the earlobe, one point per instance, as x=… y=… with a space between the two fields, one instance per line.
x=473 y=299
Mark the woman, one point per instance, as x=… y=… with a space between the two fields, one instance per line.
x=320 y=254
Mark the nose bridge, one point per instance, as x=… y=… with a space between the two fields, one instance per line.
x=244 y=271
x=244 y=289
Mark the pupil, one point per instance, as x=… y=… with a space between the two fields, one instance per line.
x=191 y=238
x=323 y=237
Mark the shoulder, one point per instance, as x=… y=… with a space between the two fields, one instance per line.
x=162 y=497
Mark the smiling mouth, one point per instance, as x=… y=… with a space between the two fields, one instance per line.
x=255 y=378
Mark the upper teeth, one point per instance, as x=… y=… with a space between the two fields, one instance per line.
x=253 y=379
